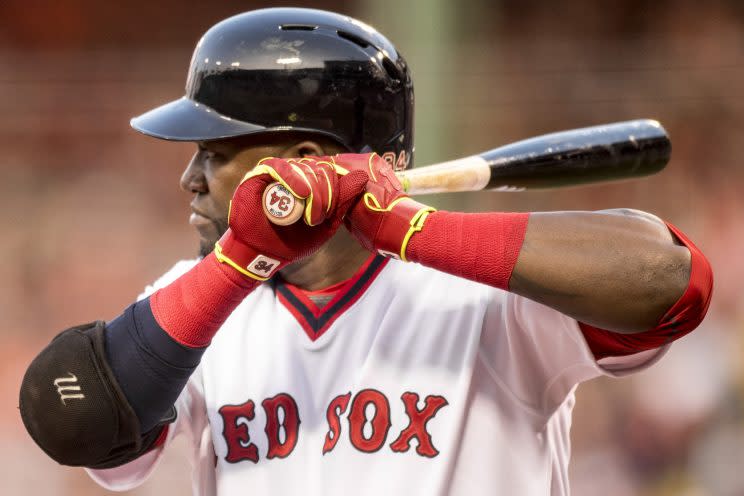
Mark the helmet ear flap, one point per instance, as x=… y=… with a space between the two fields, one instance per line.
x=292 y=69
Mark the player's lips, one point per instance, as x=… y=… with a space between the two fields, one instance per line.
x=204 y=224
x=197 y=219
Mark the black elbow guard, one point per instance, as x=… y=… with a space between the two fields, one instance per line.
x=73 y=407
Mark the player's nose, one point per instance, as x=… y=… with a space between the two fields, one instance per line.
x=193 y=179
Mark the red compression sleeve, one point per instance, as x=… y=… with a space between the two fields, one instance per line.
x=195 y=305
x=480 y=247
x=684 y=316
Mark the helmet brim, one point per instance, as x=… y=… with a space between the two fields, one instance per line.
x=187 y=120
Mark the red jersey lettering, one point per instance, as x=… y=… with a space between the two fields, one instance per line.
x=380 y=421
x=290 y=424
x=417 y=425
x=237 y=437
x=335 y=409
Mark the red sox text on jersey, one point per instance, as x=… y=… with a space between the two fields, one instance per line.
x=282 y=431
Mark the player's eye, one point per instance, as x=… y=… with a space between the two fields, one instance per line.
x=211 y=155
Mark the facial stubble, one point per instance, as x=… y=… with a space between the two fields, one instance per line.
x=206 y=246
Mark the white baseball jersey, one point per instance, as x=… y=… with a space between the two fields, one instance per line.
x=410 y=381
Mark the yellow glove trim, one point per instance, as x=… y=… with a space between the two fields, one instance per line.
x=222 y=258
x=309 y=199
x=328 y=181
x=330 y=190
x=417 y=224
x=369 y=165
x=341 y=171
x=372 y=203
x=262 y=168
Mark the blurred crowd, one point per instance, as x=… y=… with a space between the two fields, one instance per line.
x=91 y=211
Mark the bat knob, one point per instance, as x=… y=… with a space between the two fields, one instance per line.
x=280 y=206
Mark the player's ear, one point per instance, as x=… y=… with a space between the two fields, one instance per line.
x=303 y=149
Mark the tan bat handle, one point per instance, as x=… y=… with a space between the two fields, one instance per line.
x=464 y=174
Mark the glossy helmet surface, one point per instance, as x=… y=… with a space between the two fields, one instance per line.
x=281 y=69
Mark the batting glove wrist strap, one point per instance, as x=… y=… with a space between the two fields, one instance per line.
x=396 y=224
x=245 y=259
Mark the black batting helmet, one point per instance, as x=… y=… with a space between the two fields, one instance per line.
x=294 y=69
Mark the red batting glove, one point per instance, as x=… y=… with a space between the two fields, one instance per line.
x=384 y=218
x=257 y=248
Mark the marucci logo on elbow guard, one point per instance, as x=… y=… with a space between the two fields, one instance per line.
x=68 y=388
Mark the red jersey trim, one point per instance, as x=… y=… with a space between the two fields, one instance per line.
x=684 y=316
x=316 y=321
x=335 y=288
x=160 y=440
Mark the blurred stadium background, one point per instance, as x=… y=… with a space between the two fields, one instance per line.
x=91 y=211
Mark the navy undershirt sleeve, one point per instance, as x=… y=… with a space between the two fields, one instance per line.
x=151 y=367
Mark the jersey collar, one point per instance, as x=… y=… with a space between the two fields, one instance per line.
x=316 y=321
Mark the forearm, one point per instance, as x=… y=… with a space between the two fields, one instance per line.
x=617 y=270
x=156 y=344
x=150 y=366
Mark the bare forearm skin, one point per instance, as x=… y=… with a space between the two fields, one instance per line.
x=619 y=270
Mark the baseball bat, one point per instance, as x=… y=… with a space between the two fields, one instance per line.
x=593 y=154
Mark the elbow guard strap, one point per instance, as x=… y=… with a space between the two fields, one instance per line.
x=73 y=407
x=684 y=316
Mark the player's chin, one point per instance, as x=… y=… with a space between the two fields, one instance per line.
x=209 y=234
x=207 y=239
x=205 y=247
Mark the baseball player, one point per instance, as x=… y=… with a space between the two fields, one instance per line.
x=298 y=359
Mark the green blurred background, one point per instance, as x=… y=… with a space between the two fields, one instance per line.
x=91 y=211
